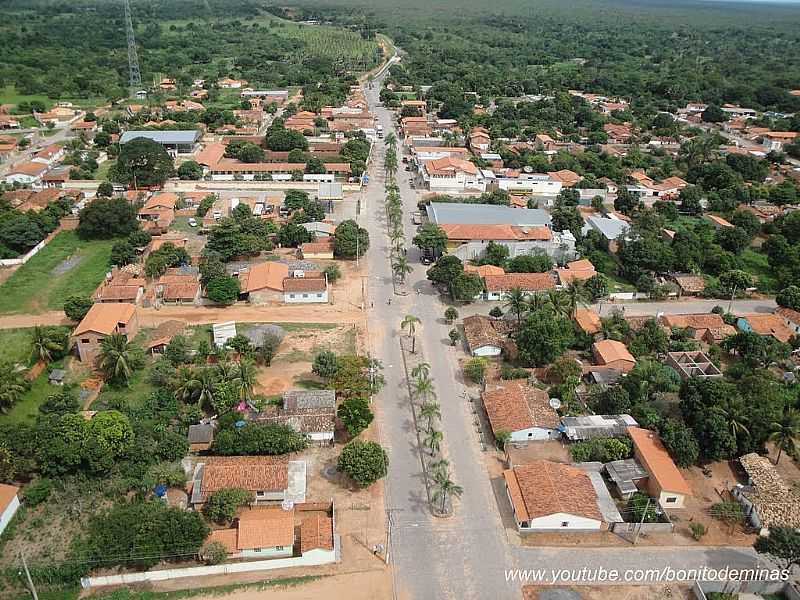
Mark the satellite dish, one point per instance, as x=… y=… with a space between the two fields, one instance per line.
x=555 y=403
x=287 y=505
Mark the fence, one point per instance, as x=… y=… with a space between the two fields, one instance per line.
x=623 y=528
x=309 y=559
x=13 y=262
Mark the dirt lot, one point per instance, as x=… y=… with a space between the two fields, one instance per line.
x=620 y=592
x=291 y=366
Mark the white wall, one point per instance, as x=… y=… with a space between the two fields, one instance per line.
x=487 y=351
x=555 y=522
x=310 y=297
x=534 y=186
x=534 y=434
x=271 y=552
x=677 y=503
x=8 y=513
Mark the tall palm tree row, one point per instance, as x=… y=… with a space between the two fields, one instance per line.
x=445 y=488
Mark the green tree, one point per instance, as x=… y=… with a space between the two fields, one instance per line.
x=106 y=218
x=445 y=270
x=410 y=323
x=46 y=343
x=12 y=386
x=326 y=364
x=355 y=414
x=466 y=287
x=432 y=238
x=333 y=273
x=544 y=337
x=255 y=439
x=475 y=369
x=350 y=239
x=222 y=506
x=517 y=302
x=782 y=543
x=789 y=297
x=190 y=170
x=123 y=253
x=433 y=441
x=785 y=432
x=401 y=268
x=364 y=462
x=680 y=442
x=118 y=358
x=450 y=314
x=445 y=488
x=76 y=307
x=713 y=114
x=223 y=290
x=430 y=411
x=142 y=163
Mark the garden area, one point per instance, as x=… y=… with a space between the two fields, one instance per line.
x=66 y=266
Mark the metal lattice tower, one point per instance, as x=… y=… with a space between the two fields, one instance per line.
x=133 y=58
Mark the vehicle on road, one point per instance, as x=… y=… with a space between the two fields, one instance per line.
x=192 y=222
x=427 y=257
x=416 y=218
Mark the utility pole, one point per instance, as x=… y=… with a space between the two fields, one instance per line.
x=135 y=76
x=730 y=304
x=641 y=523
x=28 y=577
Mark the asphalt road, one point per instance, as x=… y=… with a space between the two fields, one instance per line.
x=467 y=556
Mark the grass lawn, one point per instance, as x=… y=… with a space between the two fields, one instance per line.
x=102 y=170
x=66 y=266
x=26 y=409
x=757 y=264
x=138 y=389
x=9 y=95
x=181 y=224
x=15 y=345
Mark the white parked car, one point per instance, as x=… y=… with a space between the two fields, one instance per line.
x=192 y=222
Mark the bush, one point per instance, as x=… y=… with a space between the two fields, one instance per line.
x=255 y=439
x=602 y=449
x=326 y=364
x=509 y=372
x=223 y=290
x=697 y=529
x=37 y=492
x=363 y=462
x=106 y=218
x=355 y=415
x=76 y=307
x=215 y=553
x=333 y=272
x=496 y=312
x=221 y=506
x=475 y=369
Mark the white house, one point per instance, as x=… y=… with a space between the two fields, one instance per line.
x=486 y=336
x=305 y=290
x=26 y=173
x=9 y=503
x=537 y=184
x=521 y=410
x=452 y=174
x=549 y=496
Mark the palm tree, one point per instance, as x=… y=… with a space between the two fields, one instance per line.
x=433 y=441
x=184 y=384
x=12 y=386
x=576 y=295
x=43 y=344
x=401 y=268
x=422 y=370
x=785 y=432
x=430 y=411
x=559 y=302
x=445 y=487
x=245 y=379
x=537 y=302
x=205 y=387
x=439 y=466
x=410 y=322
x=390 y=139
x=116 y=357
x=734 y=414
x=423 y=388
x=225 y=371
x=517 y=302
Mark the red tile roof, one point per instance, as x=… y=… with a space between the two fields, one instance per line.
x=527 y=282
x=514 y=405
x=657 y=461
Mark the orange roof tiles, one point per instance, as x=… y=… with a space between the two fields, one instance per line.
x=484 y=270
x=657 y=461
x=771 y=325
x=541 y=488
x=33 y=169
x=609 y=351
x=788 y=314
x=514 y=405
x=7 y=494
x=456 y=231
x=227 y=537
x=528 y=282
x=588 y=320
x=450 y=165
x=104 y=318
x=251 y=473
x=266 y=275
x=211 y=154
x=265 y=527
x=694 y=321
x=316 y=531
x=160 y=201
x=304 y=284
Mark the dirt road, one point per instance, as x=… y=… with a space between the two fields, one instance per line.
x=244 y=313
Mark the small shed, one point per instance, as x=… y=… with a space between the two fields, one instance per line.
x=223 y=332
x=56 y=377
x=201 y=436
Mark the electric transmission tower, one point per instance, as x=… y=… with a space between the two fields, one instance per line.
x=133 y=58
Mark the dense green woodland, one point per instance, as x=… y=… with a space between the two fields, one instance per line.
x=78 y=49
x=669 y=52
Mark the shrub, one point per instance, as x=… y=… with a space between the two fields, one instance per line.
x=602 y=449
x=256 y=439
x=37 y=492
x=221 y=507
x=355 y=415
x=76 y=307
x=509 y=372
x=363 y=462
x=475 y=369
x=326 y=364
x=697 y=529
x=215 y=553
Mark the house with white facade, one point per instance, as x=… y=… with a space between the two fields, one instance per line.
x=520 y=410
x=305 y=290
x=452 y=175
x=26 y=173
x=486 y=336
x=498 y=286
x=548 y=496
x=310 y=412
